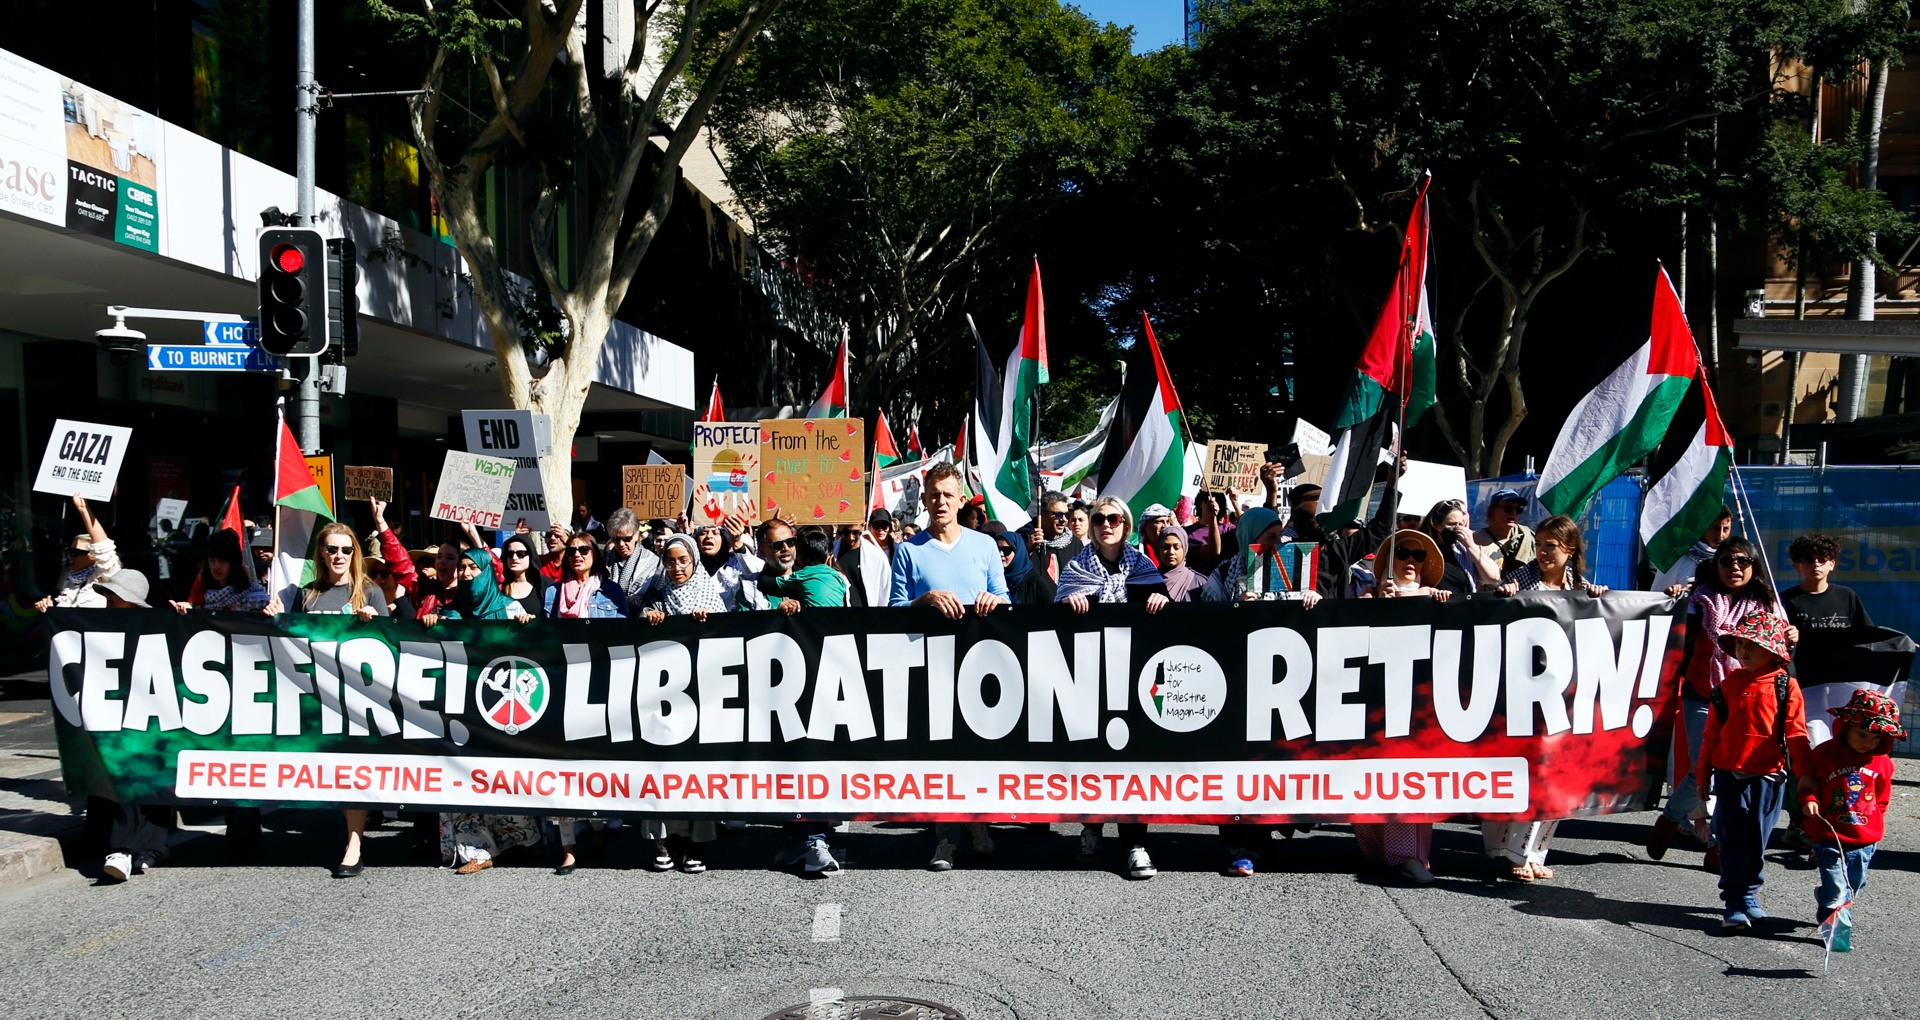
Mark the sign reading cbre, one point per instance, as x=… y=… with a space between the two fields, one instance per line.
x=293 y=291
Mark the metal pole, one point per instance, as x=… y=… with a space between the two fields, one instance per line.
x=306 y=113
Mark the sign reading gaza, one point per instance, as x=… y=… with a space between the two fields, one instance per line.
x=1538 y=706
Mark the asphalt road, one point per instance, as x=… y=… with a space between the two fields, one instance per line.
x=1027 y=933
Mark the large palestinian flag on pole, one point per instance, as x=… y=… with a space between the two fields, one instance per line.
x=1393 y=381
x=1686 y=476
x=997 y=447
x=1144 y=461
x=298 y=509
x=1624 y=417
x=885 y=452
x=833 y=399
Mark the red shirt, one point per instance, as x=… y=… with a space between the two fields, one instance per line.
x=1749 y=740
x=1852 y=791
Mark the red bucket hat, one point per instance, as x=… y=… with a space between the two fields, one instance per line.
x=1763 y=629
x=1872 y=711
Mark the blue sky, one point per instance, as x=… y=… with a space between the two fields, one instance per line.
x=1155 y=22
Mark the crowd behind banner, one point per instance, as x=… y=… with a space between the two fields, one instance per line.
x=1076 y=554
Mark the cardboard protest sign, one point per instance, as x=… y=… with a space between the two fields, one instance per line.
x=813 y=469
x=365 y=483
x=1234 y=467
x=1427 y=483
x=726 y=476
x=82 y=458
x=653 y=491
x=169 y=514
x=320 y=465
x=473 y=489
x=525 y=437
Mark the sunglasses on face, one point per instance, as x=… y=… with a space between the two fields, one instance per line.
x=517 y=553
x=620 y=539
x=783 y=543
x=377 y=574
x=1057 y=514
x=1407 y=552
x=1109 y=520
x=1737 y=562
x=339 y=550
x=579 y=550
x=1512 y=508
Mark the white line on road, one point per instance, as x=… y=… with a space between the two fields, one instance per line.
x=826 y=925
x=821 y=997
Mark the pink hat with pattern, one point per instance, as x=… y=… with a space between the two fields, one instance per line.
x=1763 y=629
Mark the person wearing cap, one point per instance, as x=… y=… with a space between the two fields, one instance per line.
x=1407 y=565
x=1755 y=733
x=866 y=563
x=1152 y=520
x=90 y=557
x=260 y=547
x=1845 y=794
x=1505 y=540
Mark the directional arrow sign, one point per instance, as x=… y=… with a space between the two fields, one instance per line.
x=231 y=333
x=216 y=358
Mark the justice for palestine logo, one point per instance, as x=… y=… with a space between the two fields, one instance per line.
x=1185 y=686
x=513 y=693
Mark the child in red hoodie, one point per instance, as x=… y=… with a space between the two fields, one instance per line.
x=1845 y=795
x=1757 y=727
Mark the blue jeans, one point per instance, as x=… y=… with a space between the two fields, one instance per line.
x=1743 y=817
x=1686 y=795
x=1830 y=862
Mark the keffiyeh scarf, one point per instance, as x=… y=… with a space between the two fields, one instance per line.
x=1719 y=612
x=696 y=594
x=1086 y=574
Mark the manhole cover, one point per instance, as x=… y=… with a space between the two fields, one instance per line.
x=869 y=1007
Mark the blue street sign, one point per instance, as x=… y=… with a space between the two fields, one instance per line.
x=247 y=333
x=213 y=358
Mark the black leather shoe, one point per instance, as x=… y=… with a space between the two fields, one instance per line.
x=565 y=869
x=348 y=870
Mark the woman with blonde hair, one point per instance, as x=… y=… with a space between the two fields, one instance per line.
x=339 y=587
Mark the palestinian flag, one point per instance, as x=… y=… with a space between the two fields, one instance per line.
x=716 y=411
x=1687 y=476
x=885 y=453
x=1144 y=460
x=914 y=450
x=833 y=400
x=1624 y=417
x=1393 y=379
x=1831 y=663
x=298 y=510
x=1077 y=460
x=1002 y=422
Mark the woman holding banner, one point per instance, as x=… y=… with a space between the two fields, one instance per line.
x=226 y=579
x=1108 y=571
x=339 y=587
x=583 y=591
x=684 y=588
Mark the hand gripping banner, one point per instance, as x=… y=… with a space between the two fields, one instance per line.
x=1544 y=705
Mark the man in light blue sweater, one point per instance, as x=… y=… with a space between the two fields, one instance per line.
x=949 y=568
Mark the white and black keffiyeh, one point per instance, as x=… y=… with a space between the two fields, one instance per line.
x=1086 y=574
x=699 y=593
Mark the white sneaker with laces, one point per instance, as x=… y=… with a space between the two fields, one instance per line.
x=942 y=857
x=1139 y=865
x=819 y=859
x=117 y=866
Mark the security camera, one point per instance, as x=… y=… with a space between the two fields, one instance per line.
x=118 y=339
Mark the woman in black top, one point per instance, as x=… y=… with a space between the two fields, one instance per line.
x=520 y=570
x=1026 y=585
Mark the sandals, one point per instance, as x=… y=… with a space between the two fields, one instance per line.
x=474 y=867
x=1542 y=872
x=1522 y=872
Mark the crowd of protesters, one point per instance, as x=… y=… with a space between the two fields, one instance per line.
x=1742 y=730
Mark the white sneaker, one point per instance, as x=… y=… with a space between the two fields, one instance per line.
x=818 y=858
x=982 y=839
x=1139 y=865
x=942 y=857
x=1417 y=871
x=1089 y=843
x=117 y=867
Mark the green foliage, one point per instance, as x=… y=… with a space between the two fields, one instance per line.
x=1814 y=209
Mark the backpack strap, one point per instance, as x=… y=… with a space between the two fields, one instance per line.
x=1780 y=683
x=1719 y=702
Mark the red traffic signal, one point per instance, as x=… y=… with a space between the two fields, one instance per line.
x=288 y=258
x=293 y=291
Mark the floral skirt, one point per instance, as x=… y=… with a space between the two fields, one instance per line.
x=475 y=837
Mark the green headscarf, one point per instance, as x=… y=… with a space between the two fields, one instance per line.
x=485 y=600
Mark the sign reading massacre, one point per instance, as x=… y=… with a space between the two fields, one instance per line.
x=1543 y=705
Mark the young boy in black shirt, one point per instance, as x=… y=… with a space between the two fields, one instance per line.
x=1814 y=603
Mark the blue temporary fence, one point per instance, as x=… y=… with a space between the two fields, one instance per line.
x=1872 y=511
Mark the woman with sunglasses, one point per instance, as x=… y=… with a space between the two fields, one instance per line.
x=339 y=587
x=520 y=574
x=1467 y=566
x=584 y=591
x=684 y=588
x=1725 y=590
x=90 y=557
x=1110 y=571
x=381 y=572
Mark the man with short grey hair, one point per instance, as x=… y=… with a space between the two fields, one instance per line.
x=631 y=565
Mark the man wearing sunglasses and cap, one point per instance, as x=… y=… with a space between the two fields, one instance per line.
x=1504 y=538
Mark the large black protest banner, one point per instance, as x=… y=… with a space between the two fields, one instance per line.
x=1543 y=705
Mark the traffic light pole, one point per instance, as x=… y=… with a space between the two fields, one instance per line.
x=306 y=405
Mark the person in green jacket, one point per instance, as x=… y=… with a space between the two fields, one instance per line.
x=817 y=584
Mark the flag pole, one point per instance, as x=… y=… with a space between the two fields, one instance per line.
x=273 y=565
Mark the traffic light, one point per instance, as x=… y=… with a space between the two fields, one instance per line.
x=343 y=300
x=293 y=291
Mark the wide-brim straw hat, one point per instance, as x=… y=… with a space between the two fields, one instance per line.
x=1431 y=569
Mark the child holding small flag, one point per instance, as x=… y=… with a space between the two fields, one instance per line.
x=1845 y=794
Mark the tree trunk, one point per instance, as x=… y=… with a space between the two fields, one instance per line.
x=1861 y=287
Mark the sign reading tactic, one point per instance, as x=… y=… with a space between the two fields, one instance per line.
x=1234 y=467
x=813 y=469
x=82 y=458
x=473 y=489
x=320 y=465
x=525 y=437
x=365 y=483
x=726 y=476
x=654 y=492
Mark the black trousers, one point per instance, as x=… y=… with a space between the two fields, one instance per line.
x=130 y=828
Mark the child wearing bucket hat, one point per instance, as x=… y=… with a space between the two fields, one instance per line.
x=1844 y=796
x=1757 y=728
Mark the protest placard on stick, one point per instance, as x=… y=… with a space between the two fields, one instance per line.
x=365 y=483
x=726 y=479
x=653 y=491
x=473 y=489
x=82 y=458
x=1233 y=467
x=813 y=469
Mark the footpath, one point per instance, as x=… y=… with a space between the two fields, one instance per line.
x=36 y=814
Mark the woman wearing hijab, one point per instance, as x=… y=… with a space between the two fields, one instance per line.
x=1025 y=585
x=1255 y=571
x=1182 y=581
x=1110 y=571
x=684 y=588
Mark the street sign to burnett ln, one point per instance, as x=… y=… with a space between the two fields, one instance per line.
x=209 y=358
